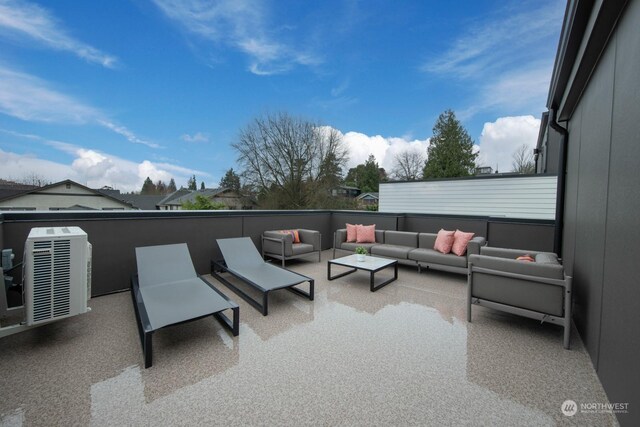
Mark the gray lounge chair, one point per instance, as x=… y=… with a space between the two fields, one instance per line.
x=242 y=260
x=167 y=291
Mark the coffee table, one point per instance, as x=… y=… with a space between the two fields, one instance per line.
x=371 y=264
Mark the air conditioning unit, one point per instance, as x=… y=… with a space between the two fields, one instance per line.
x=57 y=274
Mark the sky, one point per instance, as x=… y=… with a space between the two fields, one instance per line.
x=109 y=93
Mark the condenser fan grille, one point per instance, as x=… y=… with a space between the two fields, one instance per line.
x=51 y=279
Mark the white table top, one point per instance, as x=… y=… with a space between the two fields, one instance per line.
x=369 y=263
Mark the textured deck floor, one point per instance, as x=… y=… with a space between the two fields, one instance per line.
x=403 y=355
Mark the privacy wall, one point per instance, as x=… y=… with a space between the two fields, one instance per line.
x=523 y=196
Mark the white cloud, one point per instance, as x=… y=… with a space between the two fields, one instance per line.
x=384 y=149
x=507 y=58
x=92 y=168
x=500 y=139
x=31 y=99
x=20 y=19
x=131 y=137
x=240 y=24
x=197 y=137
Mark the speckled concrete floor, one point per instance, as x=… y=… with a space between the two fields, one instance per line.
x=404 y=355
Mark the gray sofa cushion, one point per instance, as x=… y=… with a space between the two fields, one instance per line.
x=427 y=240
x=534 y=296
x=391 y=251
x=547 y=258
x=435 y=257
x=352 y=246
x=401 y=238
x=301 y=248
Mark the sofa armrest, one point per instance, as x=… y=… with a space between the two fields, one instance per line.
x=275 y=242
x=312 y=237
x=506 y=253
x=339 y=237
x=537 y=271
x=475 y=244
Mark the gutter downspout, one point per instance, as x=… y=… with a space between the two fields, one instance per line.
x=562 y=172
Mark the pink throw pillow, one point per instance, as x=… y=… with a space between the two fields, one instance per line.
x=460 y=242
x=444 y=241
x=366 y=234
x=351 y=233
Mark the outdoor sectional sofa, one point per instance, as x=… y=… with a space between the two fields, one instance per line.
x=411 y=248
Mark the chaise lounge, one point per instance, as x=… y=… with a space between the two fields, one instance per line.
x=243 y=261
x=167 y=291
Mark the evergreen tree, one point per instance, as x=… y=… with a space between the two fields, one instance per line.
x=230 y=180
x=192 y=184
x=367 y=176
x=161 y=187
x=148 y=187
x=450 y=152
x=201 y=185
x=171 y=188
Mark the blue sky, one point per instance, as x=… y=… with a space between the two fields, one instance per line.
x=107 y=93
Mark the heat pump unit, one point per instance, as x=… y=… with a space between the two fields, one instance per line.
x=57 y=277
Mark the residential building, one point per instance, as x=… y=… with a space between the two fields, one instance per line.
x=229 y=198
x=63 y=195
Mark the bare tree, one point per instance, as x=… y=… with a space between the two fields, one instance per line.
x=408 y=165
x=290 y=161
x=33 y=178
x=523 y=160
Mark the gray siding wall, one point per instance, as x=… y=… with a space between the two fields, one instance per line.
x=601 y=215
x=532 y=197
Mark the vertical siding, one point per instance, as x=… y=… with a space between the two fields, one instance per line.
x=601 y=210
x=509 y=197
x=619 y=337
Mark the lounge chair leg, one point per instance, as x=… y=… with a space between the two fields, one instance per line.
x=147 y=349
x=265 y=303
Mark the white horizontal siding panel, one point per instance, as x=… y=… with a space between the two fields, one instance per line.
x=509 y=197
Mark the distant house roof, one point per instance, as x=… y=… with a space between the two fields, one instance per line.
x=347 y=187
x=145 y=202
x=10 y=188
x=178 y=193
x=191 y=195
x=372 y=195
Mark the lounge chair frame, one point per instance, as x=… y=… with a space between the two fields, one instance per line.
x=144 y=324
x=262 y=306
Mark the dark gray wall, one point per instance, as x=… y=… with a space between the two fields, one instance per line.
x=601 y=215
x=115 y=235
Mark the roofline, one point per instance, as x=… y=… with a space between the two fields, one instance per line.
x=587 y=28
x=485 y=176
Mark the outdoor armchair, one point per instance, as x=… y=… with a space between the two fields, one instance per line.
x=539 y=290
x=281 y=245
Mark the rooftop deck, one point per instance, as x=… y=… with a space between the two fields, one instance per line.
x=402 y=355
